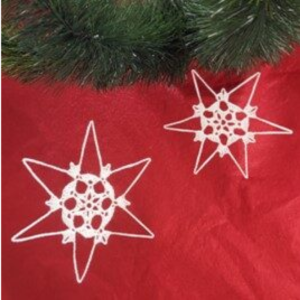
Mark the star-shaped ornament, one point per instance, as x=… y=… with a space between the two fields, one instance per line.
x=224 y=123
x=86 y=205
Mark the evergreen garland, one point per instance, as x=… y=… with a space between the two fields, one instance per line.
x=108 y=43
x=96 y=42
x=237 y=34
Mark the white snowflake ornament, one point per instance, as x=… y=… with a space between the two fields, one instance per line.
x=225 y=123
x=87 y=204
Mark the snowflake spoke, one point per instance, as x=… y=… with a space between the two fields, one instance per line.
x=202 y=162
x=242 y=164
x=118 y=176
x=61 y=175
x=196 y=77
x=277 y=129
x=22 y=237
x=176 y=125
x=148 y=235
x=90 y=158
x=82 y=261
x=249 y=80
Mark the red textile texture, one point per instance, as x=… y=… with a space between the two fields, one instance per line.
x=218 y=235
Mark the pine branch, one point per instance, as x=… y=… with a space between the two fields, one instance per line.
x=99 y=42
x=236 y=34
x=16 y=62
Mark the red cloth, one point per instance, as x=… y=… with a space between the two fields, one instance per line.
x=218 y=235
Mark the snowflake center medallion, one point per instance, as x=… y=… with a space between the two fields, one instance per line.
x=88 y=205
x=224 y=122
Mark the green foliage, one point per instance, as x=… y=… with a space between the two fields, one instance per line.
x=95 y=42
x=237 y=34
x=106 y=43
x=17 y=62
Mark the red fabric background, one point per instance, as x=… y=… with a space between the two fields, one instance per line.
x=218 y=235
